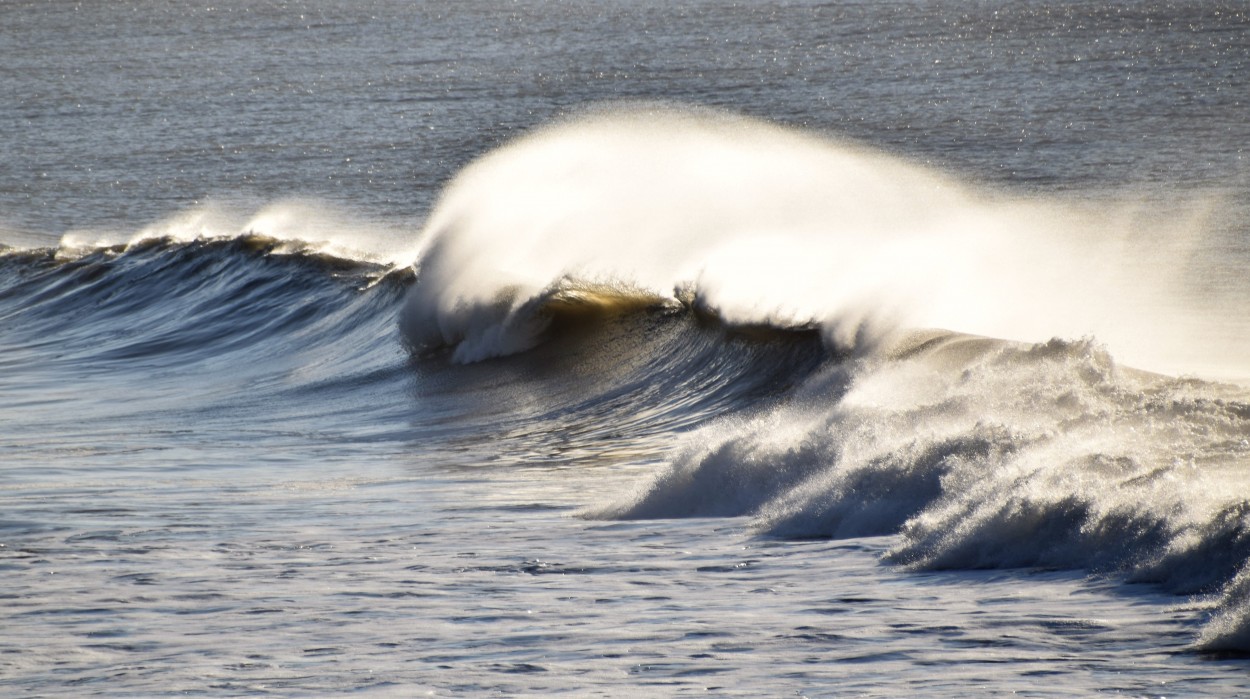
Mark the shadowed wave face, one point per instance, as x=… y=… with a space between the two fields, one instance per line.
x=243 y=337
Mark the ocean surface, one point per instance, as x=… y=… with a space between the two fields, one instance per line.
x=624 y=348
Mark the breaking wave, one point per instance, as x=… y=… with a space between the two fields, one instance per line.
x=1036 y=449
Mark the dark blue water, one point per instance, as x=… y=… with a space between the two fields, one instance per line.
x=619 y=348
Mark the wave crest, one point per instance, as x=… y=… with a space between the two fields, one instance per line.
x=763 y=226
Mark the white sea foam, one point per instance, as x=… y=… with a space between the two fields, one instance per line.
x=988 y=454
x=295 y=225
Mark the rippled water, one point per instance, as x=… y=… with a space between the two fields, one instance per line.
x=399 y=586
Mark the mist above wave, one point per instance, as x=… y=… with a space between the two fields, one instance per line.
x=759 y=224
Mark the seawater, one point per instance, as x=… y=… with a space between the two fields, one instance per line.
x=624 y=348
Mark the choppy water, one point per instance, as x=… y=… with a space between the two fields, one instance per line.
x=624 y=348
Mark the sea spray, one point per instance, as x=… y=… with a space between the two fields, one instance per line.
x=767 y=225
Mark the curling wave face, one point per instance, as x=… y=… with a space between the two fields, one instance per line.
x=215 y=339
x=251 y=334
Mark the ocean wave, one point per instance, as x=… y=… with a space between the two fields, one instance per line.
x=168 y=301
x=765 y=294
x=972 y=452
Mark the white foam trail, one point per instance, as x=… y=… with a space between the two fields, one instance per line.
x=300 y=225
x=766 y=224
x=1229 y=628
x=982 y=453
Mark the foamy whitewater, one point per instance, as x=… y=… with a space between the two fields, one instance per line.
x=618 y=350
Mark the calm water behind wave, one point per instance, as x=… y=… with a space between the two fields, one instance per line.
x=126 y=112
